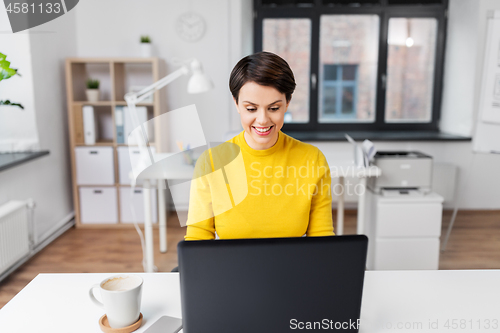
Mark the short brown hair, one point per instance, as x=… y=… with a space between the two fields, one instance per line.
x=266 y=69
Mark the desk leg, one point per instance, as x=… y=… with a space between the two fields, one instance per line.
x=162 y=214
x=361 y=207
x=148 y=227
x=340 y=208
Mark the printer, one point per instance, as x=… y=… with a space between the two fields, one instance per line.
x=402 y=170
x=403 y=215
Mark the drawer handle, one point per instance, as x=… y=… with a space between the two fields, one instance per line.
x=138 y=191
x=136 y=152
x=97 y=191
x=94 y=152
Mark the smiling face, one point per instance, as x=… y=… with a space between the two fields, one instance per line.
x=262 y=112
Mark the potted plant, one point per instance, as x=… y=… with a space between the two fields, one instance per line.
x=5 y=73
x=92 y=91
x=146 y=46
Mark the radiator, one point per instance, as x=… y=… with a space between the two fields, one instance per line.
x=14 y=233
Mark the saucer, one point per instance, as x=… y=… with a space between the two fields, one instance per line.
x=103 y=322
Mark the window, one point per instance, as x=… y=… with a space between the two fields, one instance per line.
x=352 y=42
x=339 y=92
x=358 y=64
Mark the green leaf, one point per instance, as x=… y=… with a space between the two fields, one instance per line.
x=7 y=102
x=5 y=70
x=5 y=73
x=92 y=84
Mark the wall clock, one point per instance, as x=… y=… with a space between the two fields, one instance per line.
x=191 y=26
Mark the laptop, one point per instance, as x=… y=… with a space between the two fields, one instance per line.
x=273 y=284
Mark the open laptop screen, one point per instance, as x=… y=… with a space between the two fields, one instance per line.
x=272 y=285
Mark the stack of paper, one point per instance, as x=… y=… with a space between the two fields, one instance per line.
x=363 y=153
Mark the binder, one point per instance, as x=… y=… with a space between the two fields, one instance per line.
x=120 y=130
x=78 y=121
x=89 y=125
x=142 y=116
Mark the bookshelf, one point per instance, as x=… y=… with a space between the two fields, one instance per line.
x=117 y=76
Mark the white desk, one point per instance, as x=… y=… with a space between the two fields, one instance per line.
x=60 y=302
x=345 y=170
x=172 y=166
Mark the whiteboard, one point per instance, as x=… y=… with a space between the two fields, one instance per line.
x=487 y=132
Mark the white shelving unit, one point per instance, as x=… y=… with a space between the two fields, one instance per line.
x=99 y=171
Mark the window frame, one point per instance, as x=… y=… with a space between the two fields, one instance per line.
x=385 y=12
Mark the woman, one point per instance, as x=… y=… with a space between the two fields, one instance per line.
x=287 y=192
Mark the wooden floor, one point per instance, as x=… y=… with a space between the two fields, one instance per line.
x=474 y=243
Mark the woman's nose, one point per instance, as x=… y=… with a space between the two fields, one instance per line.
x=262 y=117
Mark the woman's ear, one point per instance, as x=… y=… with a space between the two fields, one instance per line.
x=236 y=103
x=288 y=103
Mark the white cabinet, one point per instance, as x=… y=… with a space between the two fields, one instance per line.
x=128 y=156
x=132 y=203
x=98 y=205
x=94 y=166
x=408 y=219
x=403 y=231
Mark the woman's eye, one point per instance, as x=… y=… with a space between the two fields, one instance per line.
x=251 y=110
x=275 y=109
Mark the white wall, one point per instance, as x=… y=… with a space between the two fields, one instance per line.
x=47 y=179
x=459 y=87
x=17 y=126
x=483 y=8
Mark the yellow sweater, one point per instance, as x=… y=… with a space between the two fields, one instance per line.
x=239 y=192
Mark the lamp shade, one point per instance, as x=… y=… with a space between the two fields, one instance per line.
x=199 y=82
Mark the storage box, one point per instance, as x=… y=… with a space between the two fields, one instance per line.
x=127 y=156
x=94 y=166
x=98 y=205
x=135 y=201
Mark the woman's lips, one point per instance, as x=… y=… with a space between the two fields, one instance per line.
x=262 y=133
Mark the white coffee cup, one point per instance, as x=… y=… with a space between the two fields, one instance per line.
x=121 y=299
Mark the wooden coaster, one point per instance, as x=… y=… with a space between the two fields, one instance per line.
x=103 y=322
